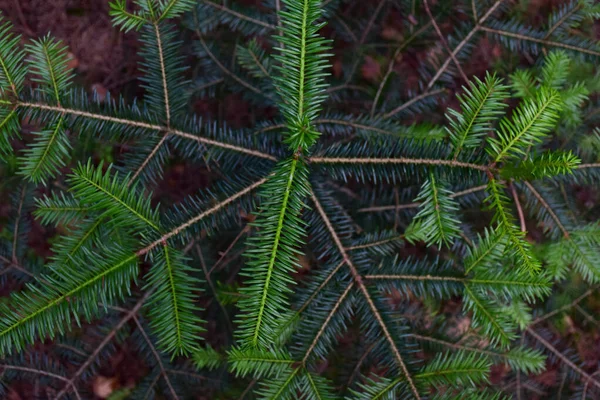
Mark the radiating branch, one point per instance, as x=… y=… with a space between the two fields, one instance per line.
x=43 y=373
x=336 y=306
x=358 y=280
x=444 y=43
x=587 y=377
x=201 y=216
x=239 y=15
x=397 y=160
x=416 y=205
x=107 y=339
x=144 y=125
x=545 y=42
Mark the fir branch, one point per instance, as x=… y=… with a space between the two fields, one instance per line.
x=587 y=377
x=271 y=255
x=530 y=122
x=459 y=47
x=7 y=367
x=70 y=383
x=413 y=100
x=172 y=310
x=17 y=224
x=132 y=123
x=416 y=205
x=224 y=69
x=63 y=296
x=156 y=355
x=326 y=322
x=480 y=104
x=236 y=14
x=545 y=42
x=201 y=216
x=444 y=43
x=397 y=160
x=12 y=67
x=359 y=282
x=545 y=204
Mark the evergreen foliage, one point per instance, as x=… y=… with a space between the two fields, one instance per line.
x=348 y=234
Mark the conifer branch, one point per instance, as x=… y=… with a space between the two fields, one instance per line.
x=18 y=267
x=545 y=42
x=391 y=65
x=144 y=125
x=587 y=377
x=157 y=356
x=70 y=383
x=17 y=223
x=201 y=216
x=149 y=157
x=358 y=280
x=444 y=43
x=333 y=310
x=375 y=243
x=413 y=100
x=225 y=70
x=239 y=15
x=545 y=204
x=320 y=287
x=566 y=307
x=369 y=26
x=416 y=205
x=462 y=44
x=515 y=197
x=44 y=373
x=161 y=61
x=561 y=20
x=591 y=165
x=397 y=160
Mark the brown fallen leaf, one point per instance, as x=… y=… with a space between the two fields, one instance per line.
x=73 y=61
x=103 y=386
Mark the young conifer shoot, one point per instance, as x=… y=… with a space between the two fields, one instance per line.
x=343 y=248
